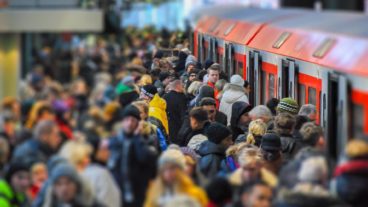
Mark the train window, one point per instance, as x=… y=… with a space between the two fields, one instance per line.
x=228 y=30
x=220 y=60
x=271 y=86
x=324 y=48
x=358 y=128
x=264 y=84
x=281 y=40
x=312 y=95
x=240 y=68
x=301 y=94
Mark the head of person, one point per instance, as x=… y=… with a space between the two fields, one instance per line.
x=256 y=130
x=130 y=117
x=240 y=114
x=77 y=152
x=171 y=166
x=204 y=91
x=177 y=86
x=4 y=151
x=39 y=174
x=308 y=110
x=66 y=183
x=237 y=81
x=219 y=134
x=261 y=112
x=251 y=163
x=256 y=194
x=198 y=117
x=17 y=174
x=219 y=197
x=284 y=124
x=312 y=135
x=209 y=105
x=271 y=147
x=192 y=75
x=193 y=88
x=47 y=132
x=314 y=170
x=45 y=112
x=247 y=87
x=191 y=160
x=165 y=78
x=190 y=66
x=299 y=122
x=272 y=105
x=13 y=105
x=214 y=73
x=288 y=105
x=148 y=92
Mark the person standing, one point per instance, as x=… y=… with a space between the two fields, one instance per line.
x=132 y=161
x=213 y=76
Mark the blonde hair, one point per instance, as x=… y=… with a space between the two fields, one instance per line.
x=141 y=105
x=145 y=80
x=249 y=156
x=76 y=151
x=256 y=128
x=193 y=88
x=356 y=148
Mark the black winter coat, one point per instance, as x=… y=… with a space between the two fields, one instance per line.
x=141 y=166
x=186 y=133
x=211 y=157
x=176 y=109
x=238 y=109
x=289 y=147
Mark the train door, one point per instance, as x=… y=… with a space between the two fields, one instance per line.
x=286 y=79
x=229 y=59
x=254 y=77
x=214 y=53
x=334 y=113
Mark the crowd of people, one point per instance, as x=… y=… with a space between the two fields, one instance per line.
x=138 y=127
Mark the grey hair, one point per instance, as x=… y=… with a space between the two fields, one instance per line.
x=43 y=127
x=261 y=111
x=314 y=170
x=307 y=109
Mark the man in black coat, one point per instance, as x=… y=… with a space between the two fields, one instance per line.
x=214 y=115
x=132 y=162
x=212 y=152
x=176 y=108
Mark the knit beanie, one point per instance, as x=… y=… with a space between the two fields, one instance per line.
x=65 y=170
x=288 y=105
x=130 y=110
x=16 y=165
x=172 y=156
x=217 y=132
x=237 y=80
x=122 y=88
x=149 y=90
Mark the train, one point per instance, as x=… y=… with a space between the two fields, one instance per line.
x=316 y=57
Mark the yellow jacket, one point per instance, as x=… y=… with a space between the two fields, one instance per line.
x=157 y=109
x=187 y=187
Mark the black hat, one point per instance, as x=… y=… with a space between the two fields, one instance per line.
x=164 y=75
x=130 y=110
x=16 y=165
x=149 y=90
x=271 y=142
x=217 y=132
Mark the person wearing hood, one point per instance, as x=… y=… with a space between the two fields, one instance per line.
x=234 y=92
x=176 y=107
x=204 y=92
x=213 y=150
x=14 y=186
x=132 y=161
x=240 y=118
x=68 y=189
x=190 y=66
x=172 y=181
x=157 y=109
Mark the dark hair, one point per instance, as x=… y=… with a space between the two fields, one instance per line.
x=201 y=74
x=311 y=133
x=155 y=72
x=284 y=123
x=248 y=187
x=207 y=101
x=44 y=109
x=299 y=121
x=272 y=104
x=246 y=84
x=215 y=66
x=198 y=114
x=271 y=155
x=219 y=191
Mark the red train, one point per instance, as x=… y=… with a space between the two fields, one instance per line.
x=315 y=57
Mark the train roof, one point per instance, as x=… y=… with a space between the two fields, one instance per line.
x=333 y=39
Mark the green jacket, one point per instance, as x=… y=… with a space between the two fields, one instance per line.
x=8 y=198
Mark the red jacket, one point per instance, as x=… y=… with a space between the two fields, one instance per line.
x=212 y=85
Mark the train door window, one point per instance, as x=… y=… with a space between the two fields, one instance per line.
x=358 y=129
x=240 y=68
x=205 y=53
x=264 y=86
x=301 y=94
x=220 y=60
x=312 y=95
x=271 y=86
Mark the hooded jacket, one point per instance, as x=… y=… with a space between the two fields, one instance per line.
x=211 y=157
x=238 y=109
x=233 y=94
x=8 y=198
x=157 y=113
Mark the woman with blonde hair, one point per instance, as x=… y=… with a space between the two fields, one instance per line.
x=257 y=129
x=172 y=181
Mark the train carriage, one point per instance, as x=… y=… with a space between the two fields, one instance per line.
x=314 y=57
